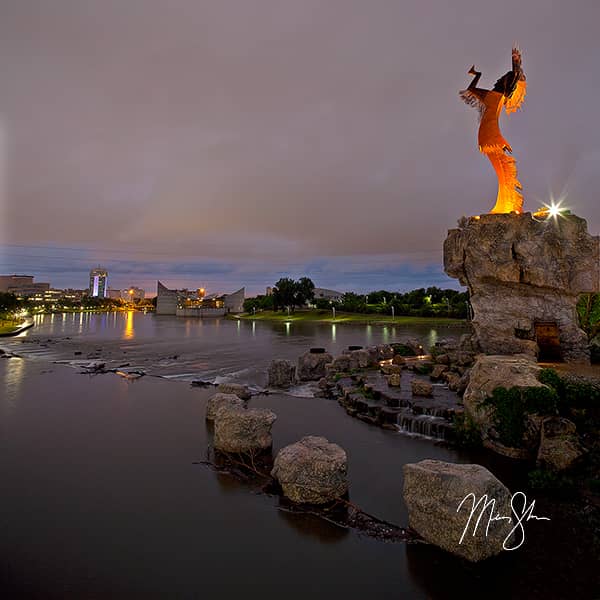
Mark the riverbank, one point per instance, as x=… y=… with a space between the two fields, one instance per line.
x=10 y=328
x=326 y=316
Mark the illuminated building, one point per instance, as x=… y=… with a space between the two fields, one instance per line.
x=132 y=293
x=98 y=283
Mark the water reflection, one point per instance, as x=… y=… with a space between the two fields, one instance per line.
x=13 y=378
x=333 y=332
x=385 y=334
x=312 y=526
x=129 y=332
x=253 y=328
x=287 y=328
x=432 y=338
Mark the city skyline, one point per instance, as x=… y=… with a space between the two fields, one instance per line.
x=288 y=139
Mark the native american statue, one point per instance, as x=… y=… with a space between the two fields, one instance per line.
x=509 y=92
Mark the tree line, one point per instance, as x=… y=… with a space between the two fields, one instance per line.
x=431 y=301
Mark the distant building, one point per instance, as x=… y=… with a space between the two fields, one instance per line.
x=269 y=291
x=114 y=294
x=325 y=294
x=15 y=281
x=132 y=293
x=98 y=283
x=188 y=303
x=21 y=285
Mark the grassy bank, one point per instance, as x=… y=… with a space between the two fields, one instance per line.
x=325 y=316
x=8 y=327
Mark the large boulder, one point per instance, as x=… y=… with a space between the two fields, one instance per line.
x=525 y=274
x=312 y=471
x=434 y=491
x=559 y=445
x=282 y=373
x=490 y=372
x=312 y=365
x=241 y=391
x=239 y=430
x=218 y=401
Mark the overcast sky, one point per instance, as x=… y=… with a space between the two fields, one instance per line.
x=230 y=142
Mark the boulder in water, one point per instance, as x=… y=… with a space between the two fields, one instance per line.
x=434 y=491
x=241 y=391
x=312 y=365
x=218 y=401
x=312 y=471
x=421 y=388
x=282 y=373
x=240 y=430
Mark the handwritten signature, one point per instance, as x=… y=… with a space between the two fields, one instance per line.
x=522 y=513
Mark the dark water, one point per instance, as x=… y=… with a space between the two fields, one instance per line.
x=100 y=498
x=211 y=349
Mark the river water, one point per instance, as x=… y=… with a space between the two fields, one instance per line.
x=100 y=497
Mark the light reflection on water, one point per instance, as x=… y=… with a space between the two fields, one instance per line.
x=333 y=332
x=129 y=332
x=13 y=379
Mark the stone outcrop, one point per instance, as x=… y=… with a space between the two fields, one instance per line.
x=524 y=273
x=241 y=391
x=282 y=373
x=239 y=430
x=218 y=401
x=559 y=445
x=311 y=471
x=433 y=491
x=490 y=372
x=312 y=365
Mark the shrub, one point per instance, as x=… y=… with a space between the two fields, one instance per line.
x=511 y=407
x=551 y=482
x=571 y=394
x=466 y=432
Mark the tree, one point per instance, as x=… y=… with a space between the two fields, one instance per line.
x=305 y=291
x=284 y=293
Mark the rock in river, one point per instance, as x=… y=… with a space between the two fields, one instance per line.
x=239 y=430
x=433 y=492
x=312 y=471
x=241 y=391
x=282 y=373
x=218 y=401
x=311 y=365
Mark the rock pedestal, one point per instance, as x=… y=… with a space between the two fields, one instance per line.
x=433 y=491
x=524 y=276
x=311 y=471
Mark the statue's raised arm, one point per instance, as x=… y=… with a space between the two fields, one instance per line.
x=509 y=92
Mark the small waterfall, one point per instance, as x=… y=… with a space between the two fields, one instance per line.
x=430 y=426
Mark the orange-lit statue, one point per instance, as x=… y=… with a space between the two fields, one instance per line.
x=509 y=93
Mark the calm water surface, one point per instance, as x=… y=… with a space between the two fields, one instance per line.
x=100 y=498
